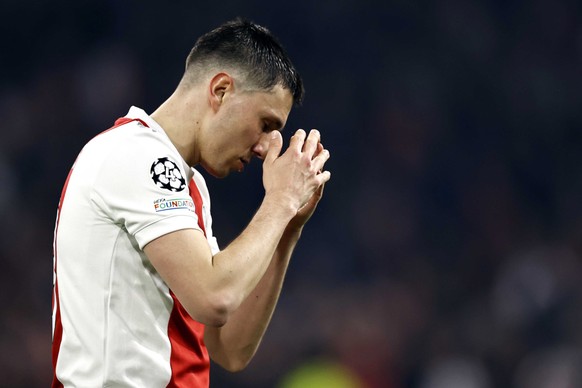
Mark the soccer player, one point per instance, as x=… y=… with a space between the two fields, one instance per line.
x=142 y=294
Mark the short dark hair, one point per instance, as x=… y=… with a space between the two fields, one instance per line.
x=254 y=50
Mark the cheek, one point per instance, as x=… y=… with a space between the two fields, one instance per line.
x=251 y=136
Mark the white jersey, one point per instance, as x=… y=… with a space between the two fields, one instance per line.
x=113 y=315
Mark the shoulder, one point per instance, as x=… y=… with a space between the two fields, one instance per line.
x=128 y=154
x=133 y=143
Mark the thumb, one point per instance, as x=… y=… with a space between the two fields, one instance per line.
x=275 y=145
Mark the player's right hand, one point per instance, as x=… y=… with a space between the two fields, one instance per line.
x=294 y=176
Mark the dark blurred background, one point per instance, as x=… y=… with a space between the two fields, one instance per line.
x=447 y=250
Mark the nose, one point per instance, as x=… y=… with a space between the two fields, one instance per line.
x=261 y=147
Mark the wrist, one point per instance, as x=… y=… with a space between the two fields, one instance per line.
x=293 y=231
x=279 y=206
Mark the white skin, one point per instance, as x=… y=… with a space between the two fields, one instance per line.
x=220 y=125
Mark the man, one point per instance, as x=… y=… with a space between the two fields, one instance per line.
x=142 y=294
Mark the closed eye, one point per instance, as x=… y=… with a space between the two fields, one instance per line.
x=270 y=126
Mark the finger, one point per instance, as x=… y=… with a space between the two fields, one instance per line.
x=318 y=150
x=319 y=192
x=275 y=145
x=297 y=140
x=323 y=177
x=319 y=161
x=316 y=197
x=311 y=143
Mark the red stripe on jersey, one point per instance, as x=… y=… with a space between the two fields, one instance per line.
x=58 y=328
x=57 y=336
x=124 y=120
x=189 y=358
x=197 y=198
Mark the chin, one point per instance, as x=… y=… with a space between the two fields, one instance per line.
x=217 y=173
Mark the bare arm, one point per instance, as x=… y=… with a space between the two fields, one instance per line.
x=211 y=288
x=233 y=345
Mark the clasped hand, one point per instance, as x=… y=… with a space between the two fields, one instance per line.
x=298 y=173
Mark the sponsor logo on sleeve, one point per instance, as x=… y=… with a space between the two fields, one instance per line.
x=166 y=175
x=163 y=204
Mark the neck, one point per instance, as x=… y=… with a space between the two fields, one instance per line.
x=180 y=118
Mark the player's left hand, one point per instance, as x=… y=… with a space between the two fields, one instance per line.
x=304 y=213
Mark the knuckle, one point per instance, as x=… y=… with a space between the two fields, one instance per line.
x=296 y=153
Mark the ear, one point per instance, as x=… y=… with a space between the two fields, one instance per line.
x=219 y=86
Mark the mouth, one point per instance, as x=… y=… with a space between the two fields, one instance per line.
x=243 y=163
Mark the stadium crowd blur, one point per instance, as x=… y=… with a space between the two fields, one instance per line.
x=447 y=251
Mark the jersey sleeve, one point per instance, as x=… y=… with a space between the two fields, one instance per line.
x=143 y=188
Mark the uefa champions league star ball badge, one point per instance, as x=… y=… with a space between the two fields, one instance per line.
x=166 y=175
